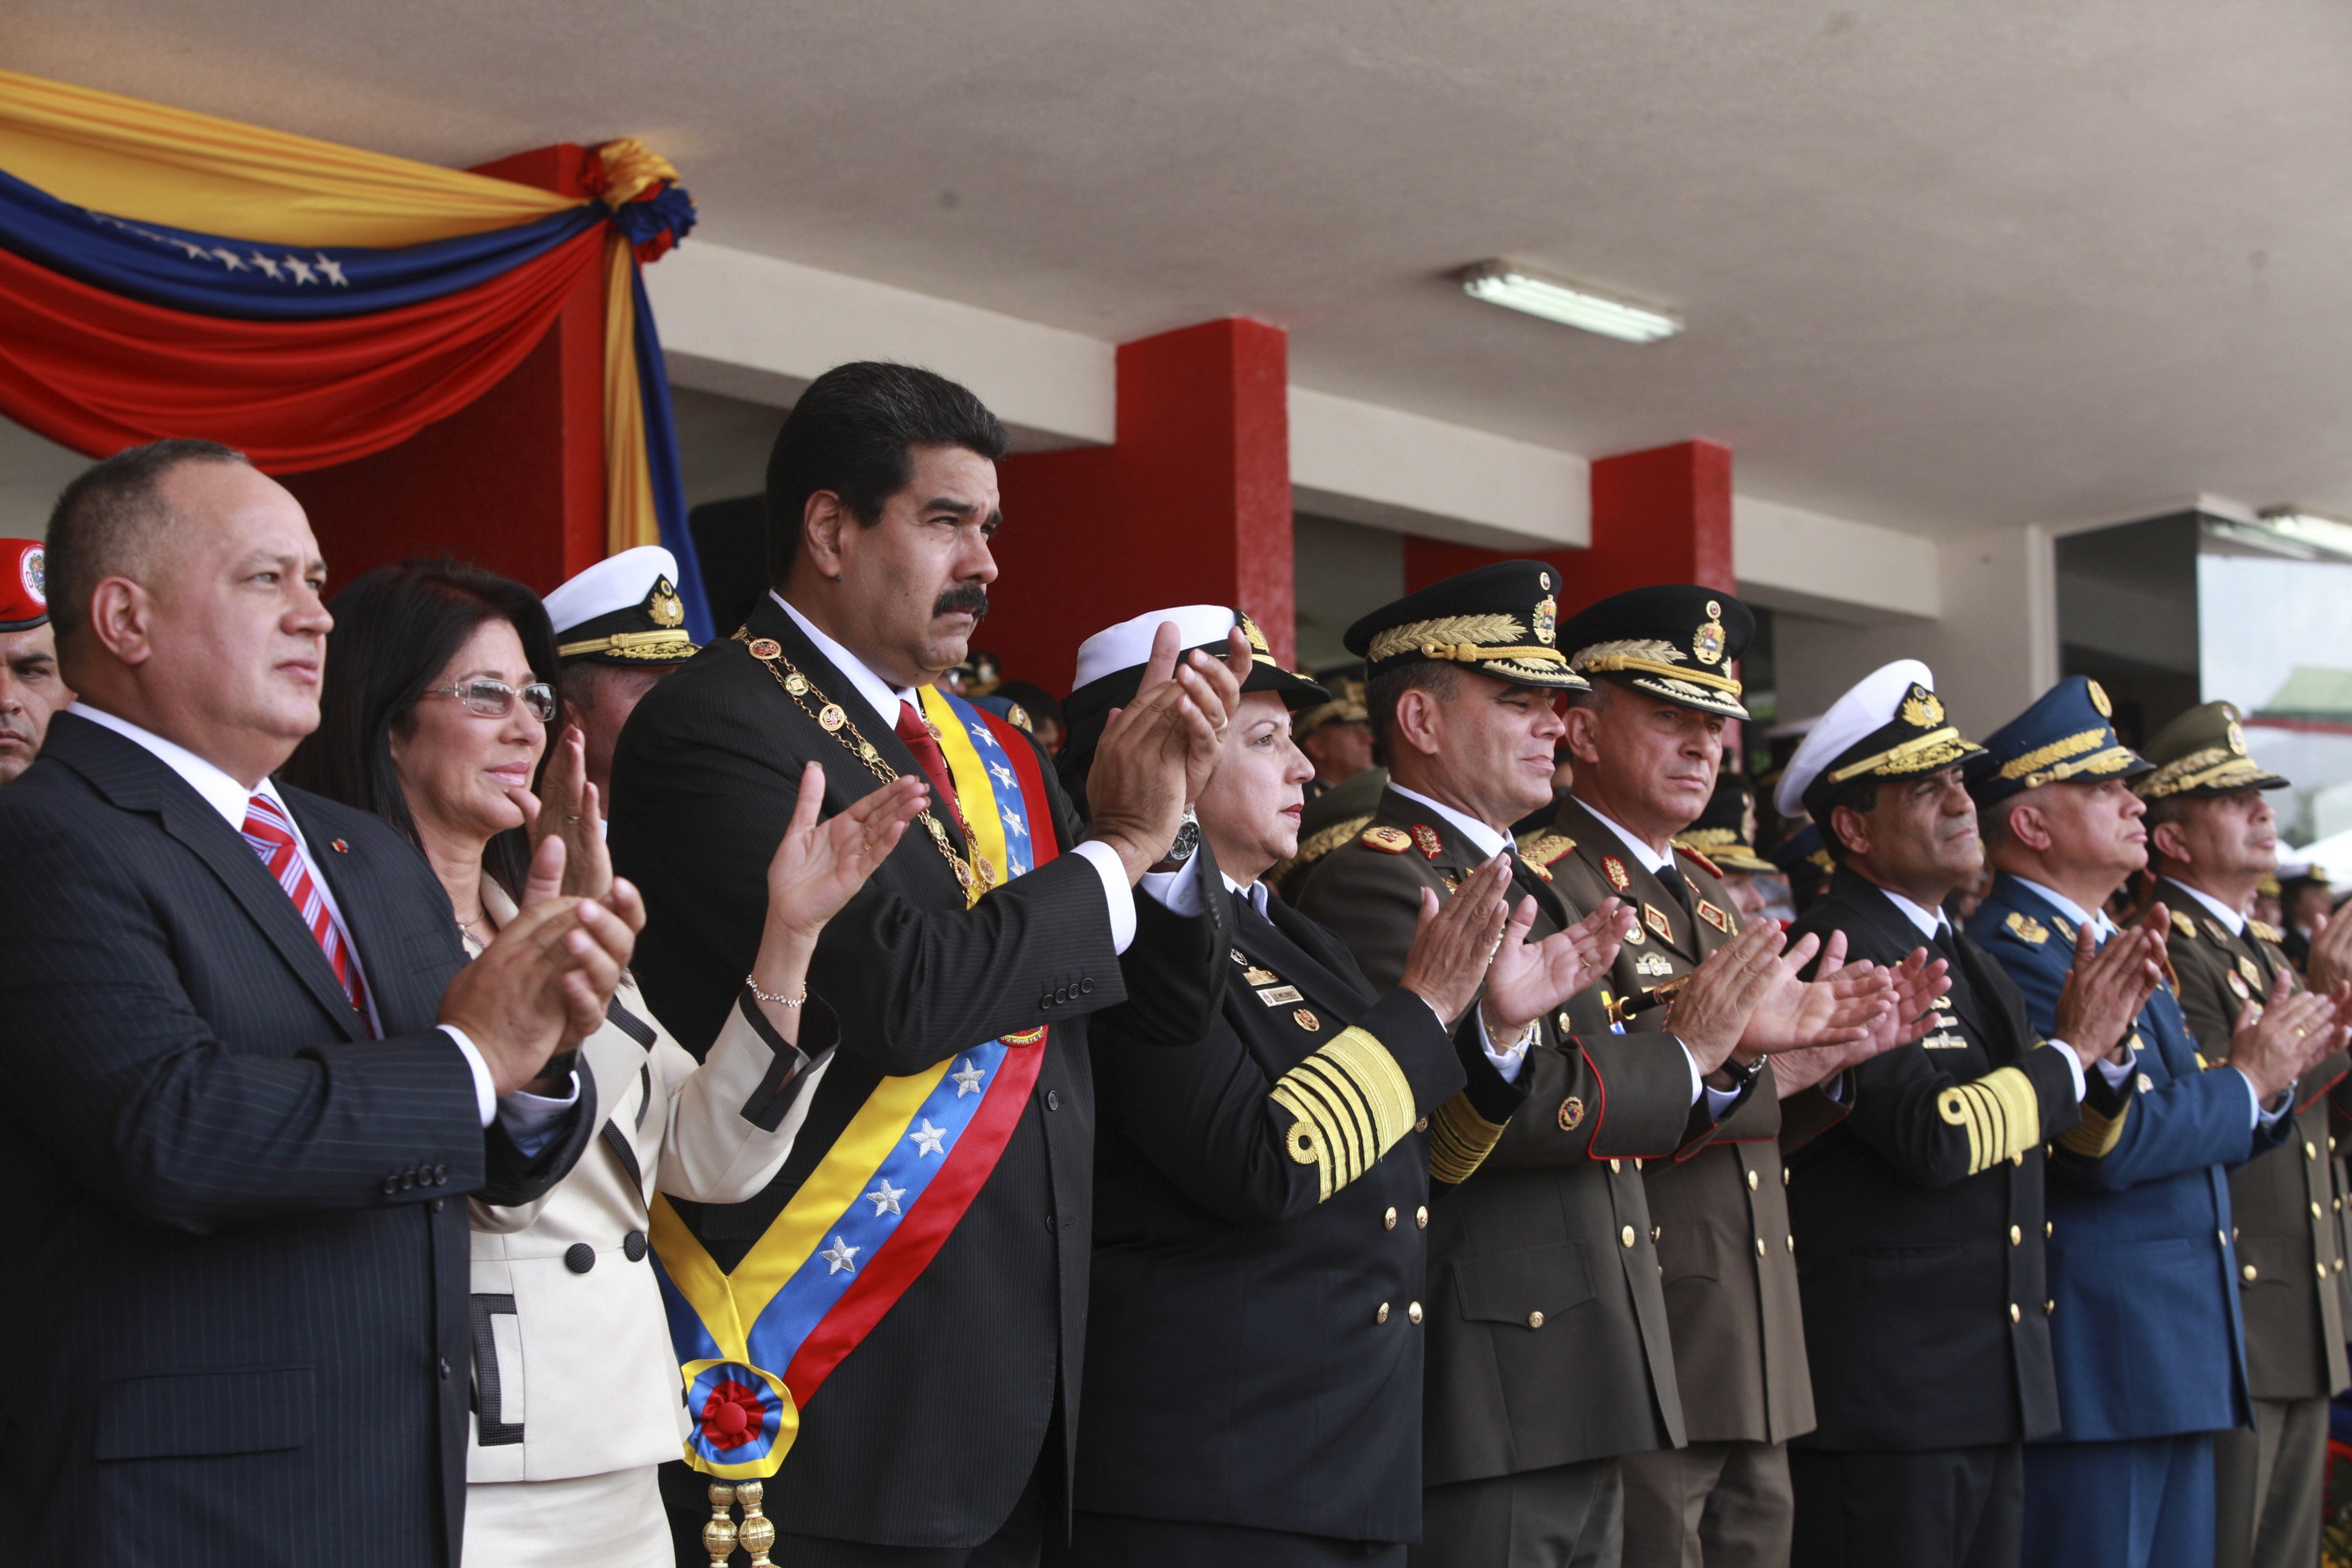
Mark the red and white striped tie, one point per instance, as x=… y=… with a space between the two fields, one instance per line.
x=272 y=838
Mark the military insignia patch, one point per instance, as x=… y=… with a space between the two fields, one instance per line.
x=1945 y=1043
x=1922 y=709
x=2238 y=984
x=2246 y=968
x=2066 y=927
x=1387 y=839
x=2099 y=699
x=1655 y=919
x=1258 y=977
x=1634 y=937
x=2266 y=932
x=1426 y=837
x=2025 y=928
x=769 y=648
x=1942 y=1004
x=1571 y=1113
x=2184 y=925
x=1238 y=956
x=1546 y=849
x=1615 y=869
x=829 y=718
x=1306 y=1020
x=1542 y=870
x=1018 y=716
x=2215 y=929
x=1453 y=883
x=1706 y=643
x=1546 y=619
x=1714 y=916
x=1706 y=864
x=1654 y=965
x=1280 y=995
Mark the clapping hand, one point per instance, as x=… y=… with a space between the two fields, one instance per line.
x=1160 y=751
x=569 y=808
x=2107 y=986
x=1916 y=982
x=1453 y=943
x=820 y=865
x=1528 y=980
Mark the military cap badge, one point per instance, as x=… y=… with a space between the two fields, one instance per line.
x=1708 y=641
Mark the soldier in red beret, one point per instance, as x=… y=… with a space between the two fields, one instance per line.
x=29 y=688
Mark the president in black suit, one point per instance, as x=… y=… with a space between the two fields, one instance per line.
x=237 y=1145
x=943 y=1433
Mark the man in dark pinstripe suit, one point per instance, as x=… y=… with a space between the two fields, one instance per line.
x=251 y=1083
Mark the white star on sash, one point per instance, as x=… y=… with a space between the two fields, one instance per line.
x=269 y=265
x=332 y=270
x=885 y=1198
x=303 y=270
x=1015 y=826
x=927 y=1138
x=1003 y=774
x=980 y=733
x=838 y=1256
x=967 y=1082
x=229 y=259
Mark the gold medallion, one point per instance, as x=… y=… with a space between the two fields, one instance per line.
x=829 y=718
x=2183 y=924
x=1571 y=1113
x=2025 y=928
x=1258 y=977
x=1634 y=937
x=2238 y=984
x=1306 y=1020
x=796 y=683
x=767 y=648
x=2099 y=699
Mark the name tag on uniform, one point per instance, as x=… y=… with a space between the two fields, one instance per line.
x=1281 y=995
x=1946 y=1042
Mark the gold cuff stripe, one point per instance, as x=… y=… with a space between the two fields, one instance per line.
x=1723 y=684
x=1917 y=749
x=2000 y=1112
x=1352 y=1104
x=2096 y=1134
x=1460 y=1140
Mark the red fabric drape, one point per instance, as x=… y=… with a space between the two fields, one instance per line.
x=98 y=373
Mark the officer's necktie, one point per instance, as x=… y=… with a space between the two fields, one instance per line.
x=272 y=838
x=1677 y=886
x=919 y=740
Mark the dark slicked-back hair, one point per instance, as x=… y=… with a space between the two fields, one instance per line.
x=850 y=434
x=107 y=522
x=1385 y=690
x=396 y=628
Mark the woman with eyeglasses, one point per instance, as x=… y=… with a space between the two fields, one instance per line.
x=436 y=711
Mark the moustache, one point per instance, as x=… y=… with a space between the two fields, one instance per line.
x=967 y=598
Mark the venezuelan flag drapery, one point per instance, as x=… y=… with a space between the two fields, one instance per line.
x=165 y=273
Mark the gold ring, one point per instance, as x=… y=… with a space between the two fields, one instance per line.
x=570 y=816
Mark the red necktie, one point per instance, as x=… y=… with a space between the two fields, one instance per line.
x=272 y=838
x=926 y=747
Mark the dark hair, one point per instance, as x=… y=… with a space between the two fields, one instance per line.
x=850 y=433
x=1033 y=700
x=1385 y=690
x=1859 y=796
x=105 y=522
x=396 y=628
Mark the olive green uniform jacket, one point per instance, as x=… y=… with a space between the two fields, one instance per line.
x=1724 y=1237
x=1548 y=1342
x=2286 y=1205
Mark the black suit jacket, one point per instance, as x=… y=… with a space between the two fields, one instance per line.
x=1919 y=1215
x=234 y=1330
x=1257 y=1356
x=927 y=1432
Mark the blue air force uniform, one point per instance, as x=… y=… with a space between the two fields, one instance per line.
x=2145 y=1331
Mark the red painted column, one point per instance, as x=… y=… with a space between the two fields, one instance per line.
x=1659 y=515
x=514 y=481
x=1189 y=505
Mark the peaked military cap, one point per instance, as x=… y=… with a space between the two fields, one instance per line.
x=2067 y=734
x=1889 y=725
x=1501 y=620
x=1803 y=849
x=24 y=585
x=1111 y=661
x=1726 y=831
x=1346 y=706
x=2203 y=752
x=1675 y=640
x=625 y=610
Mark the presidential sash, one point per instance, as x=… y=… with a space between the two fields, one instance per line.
x=756 y=1345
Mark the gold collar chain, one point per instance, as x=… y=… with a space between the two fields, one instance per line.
x=834 y=720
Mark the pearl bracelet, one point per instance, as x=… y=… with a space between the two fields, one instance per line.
x=774 y=998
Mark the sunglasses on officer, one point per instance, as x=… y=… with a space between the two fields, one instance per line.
x=496 y=699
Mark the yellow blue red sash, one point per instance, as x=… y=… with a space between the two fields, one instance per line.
x=754 y=1345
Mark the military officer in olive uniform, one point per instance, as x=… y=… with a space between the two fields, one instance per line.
x=1548 y=1351
x=2211 y=839
x=1647 y=745
x=1919 y=1212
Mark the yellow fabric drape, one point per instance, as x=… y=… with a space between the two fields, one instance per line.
x=152 y=163
x=629 y=515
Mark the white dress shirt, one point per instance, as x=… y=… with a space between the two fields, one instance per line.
x=1489 y=840
x=526 y=1117
x=1935 y=923
x=2101 y=929
x=884 y=699
x=2231 y=919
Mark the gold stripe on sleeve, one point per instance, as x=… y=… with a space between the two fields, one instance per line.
x=1460 y=1140
x=1352 y=1103
x=2000 y=1112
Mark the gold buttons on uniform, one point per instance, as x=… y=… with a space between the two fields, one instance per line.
x=2310 y=1150
x=2048 y=1229
x=1751 y=1181
x=2016 y=1237
x=1388 y=1220
x=2322 y=1269
x=1412 y=1312
x=1382 y=1316
x=1793 y=1243
x=2048 y=1307
x=2014 y=1316
x=1759 y=1247
x=1421 y=1218
x=2314 y=1211
x=1616 y=1166
x=1656 y=1231
x=2146 y=1083
x=1535 y=1320
x=1626 y=1235
x=2221 y=1239
x=2017 y=1159
x=1422 y=1125
x=1784 y=1176
x=2247 y=1273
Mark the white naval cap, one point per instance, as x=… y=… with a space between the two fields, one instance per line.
x=623 y=609
x=1869 y=705
x=1127 y=645
x=617 y=582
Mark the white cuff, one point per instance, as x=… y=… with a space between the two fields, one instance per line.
x=1115 y=891
x=1177 y=892
x=1507 y=1062
x=2074 y=1066
x=530 y=1119
x=1719 y=1101
x=2118 y=1072
x=1698 y=1081
x=485 y=1096
x=2265 y=1116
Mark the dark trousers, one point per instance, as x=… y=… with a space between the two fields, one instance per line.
x=1570 y=1516
x=1947 y=1508
x=2268 y=1481
x=1711 y=1505
x=2148 y=1503
x=1117 y=1541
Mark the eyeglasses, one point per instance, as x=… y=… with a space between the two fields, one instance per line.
x=495 y=699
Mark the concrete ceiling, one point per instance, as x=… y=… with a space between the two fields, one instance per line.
x=1945 y=267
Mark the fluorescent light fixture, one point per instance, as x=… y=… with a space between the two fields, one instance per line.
x=2326 y=534
x=1508 y=283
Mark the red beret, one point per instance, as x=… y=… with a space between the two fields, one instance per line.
x=24 y=595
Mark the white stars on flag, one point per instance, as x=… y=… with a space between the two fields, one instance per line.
x=1003 y=774
x=928 y=1139
x=980 y=734
x=303 y=270
x=838 y=1257
x=269 y=265
x=968 y=1080
x=885 y=1198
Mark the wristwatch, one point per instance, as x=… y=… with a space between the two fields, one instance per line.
x=1187 y=844
x=1740 y=1075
